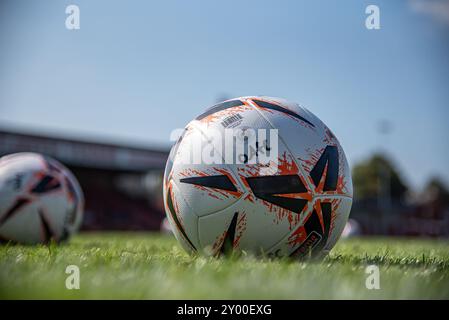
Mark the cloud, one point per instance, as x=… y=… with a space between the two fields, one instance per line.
x=438 y=10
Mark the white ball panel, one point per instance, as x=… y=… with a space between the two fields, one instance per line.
x=25 y=226
x=341 y=207
x=183 y=219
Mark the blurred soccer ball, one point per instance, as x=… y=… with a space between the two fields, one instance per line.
x=40 y=200
x=352 y=229
x=166 y=227
x=295 y=206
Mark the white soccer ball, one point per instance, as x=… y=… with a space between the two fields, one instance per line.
x=220 y=196
x=40 y=200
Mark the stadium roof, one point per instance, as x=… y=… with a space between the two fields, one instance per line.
x=88 y=154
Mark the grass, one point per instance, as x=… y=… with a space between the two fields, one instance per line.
x=153 y=266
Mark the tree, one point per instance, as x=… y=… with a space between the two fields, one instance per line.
x=370 y=178
x=436 y=190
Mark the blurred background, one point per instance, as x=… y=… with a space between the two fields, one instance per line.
x=105 y=98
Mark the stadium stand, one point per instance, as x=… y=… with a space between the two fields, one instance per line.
x=122 y=184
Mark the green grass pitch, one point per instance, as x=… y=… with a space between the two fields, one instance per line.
x=153 y=266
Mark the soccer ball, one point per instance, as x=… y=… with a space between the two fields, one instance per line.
x=40 y=200
x=260 y=175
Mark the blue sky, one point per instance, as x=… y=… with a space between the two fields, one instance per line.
x=136 y=70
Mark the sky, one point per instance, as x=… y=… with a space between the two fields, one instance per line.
x=136 y=70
